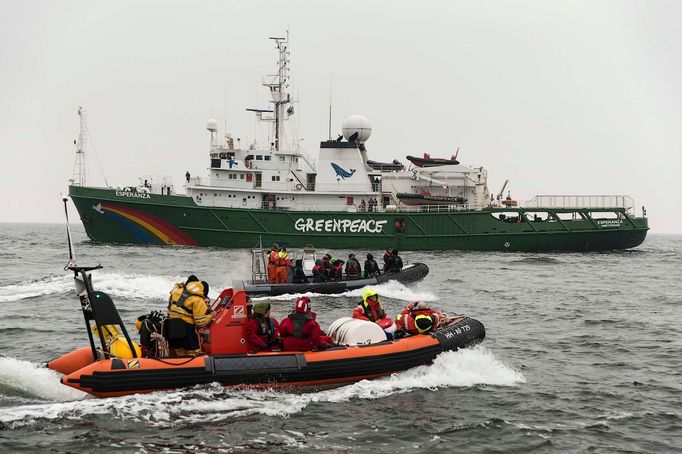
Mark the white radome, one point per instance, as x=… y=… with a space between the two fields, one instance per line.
x=212 y=125
x=357 y=123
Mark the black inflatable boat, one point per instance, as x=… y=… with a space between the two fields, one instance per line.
x=410 y=273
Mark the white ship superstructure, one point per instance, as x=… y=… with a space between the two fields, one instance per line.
x=281 y=175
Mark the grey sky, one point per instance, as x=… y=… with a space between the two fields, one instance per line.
x=560 y=97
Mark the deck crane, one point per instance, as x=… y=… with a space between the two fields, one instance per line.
x=499 y=194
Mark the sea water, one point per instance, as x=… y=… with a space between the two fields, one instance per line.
x=582 y=354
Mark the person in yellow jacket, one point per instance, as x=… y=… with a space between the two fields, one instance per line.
x=187 y=311
x=283 y=265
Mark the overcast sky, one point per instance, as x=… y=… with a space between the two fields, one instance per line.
x=559 y=97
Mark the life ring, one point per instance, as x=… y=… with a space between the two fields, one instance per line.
x=299 y=186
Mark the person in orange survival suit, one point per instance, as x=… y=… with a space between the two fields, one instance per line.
x=301 y=332
x=416 y=318
x=283 y=263
x=262 y=331
x=273 y=256
x=370 y=309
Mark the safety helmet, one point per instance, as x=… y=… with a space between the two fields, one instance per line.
x=423 y=323
x=195 y=288
x=369 y=292
x=261 y=307
x=205 y=284
x=303 y=305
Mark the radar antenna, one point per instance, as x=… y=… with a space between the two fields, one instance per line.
x=79 y=170
x=278 y=83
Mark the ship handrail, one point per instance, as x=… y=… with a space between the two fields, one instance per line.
x=581 y=201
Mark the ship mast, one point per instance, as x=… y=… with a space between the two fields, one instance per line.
x=79 y=171
x=278 y=83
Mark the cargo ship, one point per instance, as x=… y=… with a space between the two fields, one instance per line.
x=273 y=191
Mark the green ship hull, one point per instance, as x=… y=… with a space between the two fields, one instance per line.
x=115 y=216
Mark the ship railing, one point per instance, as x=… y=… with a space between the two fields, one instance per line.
x=581 y=202
x=428 y=208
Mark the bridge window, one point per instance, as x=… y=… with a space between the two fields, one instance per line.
x=267 y=157
x=511 y=217
x=275 y=178
x=539 y=216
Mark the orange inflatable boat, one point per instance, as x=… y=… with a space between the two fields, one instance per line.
x=227 y=361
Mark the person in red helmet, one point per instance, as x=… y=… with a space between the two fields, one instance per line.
x=301 y=332
x=416 y=318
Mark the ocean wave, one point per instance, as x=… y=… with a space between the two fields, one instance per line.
x=537 y=261
x=128 y=286
x=210 y=403
x=50 y=285
x=26 y=378
x=390 y=289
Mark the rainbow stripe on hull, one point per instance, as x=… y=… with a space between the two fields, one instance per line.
x=147 y=229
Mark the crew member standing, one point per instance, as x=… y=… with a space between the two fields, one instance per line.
x=188 y=311
x=395 y=263
x=283 y=265
x=273 y=258
x=387 y=257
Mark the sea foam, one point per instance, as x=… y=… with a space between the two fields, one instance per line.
x=460 y=369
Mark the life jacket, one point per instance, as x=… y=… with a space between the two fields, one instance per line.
x=298 y=320
x=317 y=269
x=407 y=320
x=353 y=268
x=183 y=303
x=266 y=327
x=368 y=312
x=371 y=266
x=282 y=260
x=337 y=270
